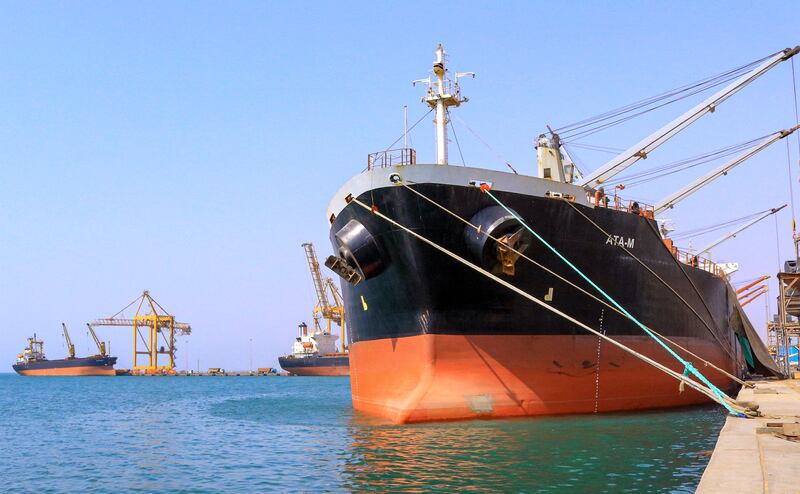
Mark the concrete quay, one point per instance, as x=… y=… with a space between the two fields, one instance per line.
x=759 y=455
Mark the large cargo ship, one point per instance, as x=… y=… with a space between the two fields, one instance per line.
x=432 y=339
x=32 y=362
x=314 y=354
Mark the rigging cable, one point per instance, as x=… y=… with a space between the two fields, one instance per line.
x=777 y=244
x=593 y=147
x=733 y=407
x=463 y=163
x=791 y=191
x=688 y=367
x=608 y=119
x=796 y=113
x=788 y=155
x=409 y=130
x=661 y=280
x=645 y=176
x=568 y=282
x=490 y=148
x=715 y=227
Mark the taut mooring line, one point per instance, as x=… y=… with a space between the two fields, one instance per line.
x=689 y=368
x=723 y=399
x=580 y=289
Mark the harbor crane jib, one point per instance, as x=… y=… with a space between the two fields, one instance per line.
x=158 y=326
x=643 y=148
x=330 y=310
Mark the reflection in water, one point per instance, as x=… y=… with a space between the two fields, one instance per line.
x=229 y=435
x=647 y=452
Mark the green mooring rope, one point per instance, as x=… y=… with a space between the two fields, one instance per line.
x=688 y=367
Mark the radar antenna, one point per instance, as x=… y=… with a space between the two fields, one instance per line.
x=442 y=93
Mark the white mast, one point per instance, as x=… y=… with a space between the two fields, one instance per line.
x=641 y=149
x=673 y=199
x=442 y=93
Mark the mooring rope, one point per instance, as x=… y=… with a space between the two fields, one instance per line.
x=688 y=367
x=659 y=278
x=723 y=399
x=580 y=289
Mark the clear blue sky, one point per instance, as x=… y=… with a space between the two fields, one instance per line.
x=189 y=148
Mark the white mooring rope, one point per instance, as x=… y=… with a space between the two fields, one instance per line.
x=725 y=401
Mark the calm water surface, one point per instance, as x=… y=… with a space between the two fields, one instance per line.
x=217 y=434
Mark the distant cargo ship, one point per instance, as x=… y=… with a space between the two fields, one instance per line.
x=32 y=362
x=327 y=365
x=315 y=355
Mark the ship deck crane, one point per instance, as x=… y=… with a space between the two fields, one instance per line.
x=750 y=285
x=158 y=323
x=739 y=230
x=101 y=345
x=70 y=345
x=643 y=148
x=673 y=199
x=331 y=311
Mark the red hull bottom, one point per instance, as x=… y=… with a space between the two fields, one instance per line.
x=70 y=371
x=445 y=377
x=321 y=371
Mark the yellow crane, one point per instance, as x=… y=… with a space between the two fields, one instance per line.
x=331 y=311
x=101 y=345
x=156 y=323
x=70 y=346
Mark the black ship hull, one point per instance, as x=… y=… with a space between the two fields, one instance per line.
x=328 y=365
x=425 y=316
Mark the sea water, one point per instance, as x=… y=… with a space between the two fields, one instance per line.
x=300 y=434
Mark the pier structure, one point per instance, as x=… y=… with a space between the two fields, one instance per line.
x=783 y=333
x=758 y=454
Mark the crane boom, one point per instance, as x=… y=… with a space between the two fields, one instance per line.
x=70 y=346
x=672 y=199
x=752 y=292
x=751 y=285
x=739 y=230
x=182 y=327
x=316 y=275
x=758 y=294
x=641 y=149
x=331 y=310
x=101 y=346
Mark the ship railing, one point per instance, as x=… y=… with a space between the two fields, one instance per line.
x=392 y=157
x=698 y=262
x=617 y=203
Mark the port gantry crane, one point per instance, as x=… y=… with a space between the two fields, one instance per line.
x=158 y=322
x=331 y=312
